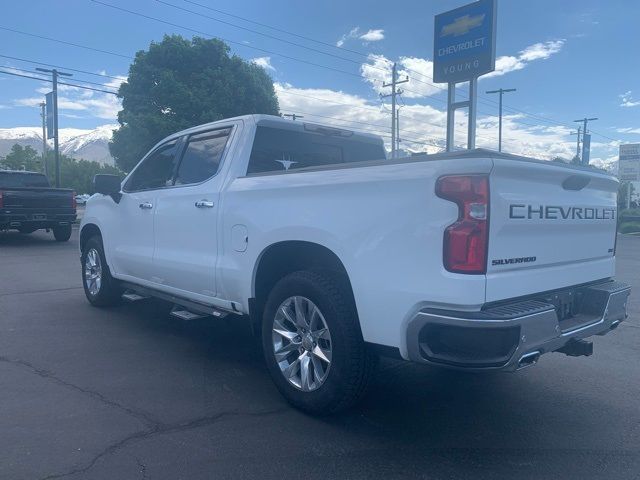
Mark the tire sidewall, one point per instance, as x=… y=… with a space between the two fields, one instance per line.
x=325 y=398
x=62 y=233
x=105 y=292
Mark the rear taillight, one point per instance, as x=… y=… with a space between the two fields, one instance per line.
x=466 y=241
x=74 y=203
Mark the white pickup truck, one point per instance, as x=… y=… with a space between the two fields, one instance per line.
x=473 y=260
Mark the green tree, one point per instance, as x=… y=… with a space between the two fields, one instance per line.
x=180 y=83
x=623 y=193
x=22 y=158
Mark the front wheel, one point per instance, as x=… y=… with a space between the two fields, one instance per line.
x=100 y=288
x=313 y=345
x=62 y=233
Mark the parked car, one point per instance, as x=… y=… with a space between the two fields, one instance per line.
x=28 y=203
x=82 y=199
x=473 y=260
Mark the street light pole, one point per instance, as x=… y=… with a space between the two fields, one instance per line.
x=44 y=140
x=500 y=91
x=54 y=80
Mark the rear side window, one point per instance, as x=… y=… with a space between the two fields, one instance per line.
x=279 y=149
x=201 y=158
x=155 y=171
x=17 y=180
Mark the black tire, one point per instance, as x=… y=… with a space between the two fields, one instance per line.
x=108 y=292
x=62 y=233
x=352 y=364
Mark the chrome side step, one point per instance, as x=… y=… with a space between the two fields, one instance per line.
x=133 y=297
x=184 y=314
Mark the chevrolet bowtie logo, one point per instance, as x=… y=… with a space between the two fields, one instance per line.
x=462 y=25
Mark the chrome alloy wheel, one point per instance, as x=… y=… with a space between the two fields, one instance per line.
x=93 y=272
x=301 y=343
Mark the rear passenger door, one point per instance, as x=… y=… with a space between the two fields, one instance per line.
x=186 y=217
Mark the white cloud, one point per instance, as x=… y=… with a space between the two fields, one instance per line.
x=377 y=69
x=371 y=35
x=264 y=62
x=91 y=103
x=628 y=101
x=628 y=130
x=537 y=51
x=422 y=127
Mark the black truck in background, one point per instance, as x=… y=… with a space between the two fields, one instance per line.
x=28 y=203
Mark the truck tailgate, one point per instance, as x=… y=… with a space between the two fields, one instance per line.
x=37 y=198
x=550 y=227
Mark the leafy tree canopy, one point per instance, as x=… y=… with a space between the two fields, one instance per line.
x=180 y=83
x=22 y=158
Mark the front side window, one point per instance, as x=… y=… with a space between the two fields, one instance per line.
x=202 y=155
x=156 y=171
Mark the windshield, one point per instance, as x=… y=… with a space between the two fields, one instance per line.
x=17 y=180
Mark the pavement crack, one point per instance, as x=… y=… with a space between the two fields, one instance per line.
x=159 y=429
x=143 y=417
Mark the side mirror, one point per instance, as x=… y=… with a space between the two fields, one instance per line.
x=108 y=185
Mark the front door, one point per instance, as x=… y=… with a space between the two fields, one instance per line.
x=132 y=237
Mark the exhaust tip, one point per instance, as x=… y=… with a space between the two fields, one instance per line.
x=528 y=359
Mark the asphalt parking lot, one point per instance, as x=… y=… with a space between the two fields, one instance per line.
x=130 y=393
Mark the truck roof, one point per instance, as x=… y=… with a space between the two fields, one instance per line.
x=279 y=122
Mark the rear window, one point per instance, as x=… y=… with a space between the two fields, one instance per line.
x=16 y=180
x=279 y=149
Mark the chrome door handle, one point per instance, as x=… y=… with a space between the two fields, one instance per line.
x=204 y=204
x=146 y=205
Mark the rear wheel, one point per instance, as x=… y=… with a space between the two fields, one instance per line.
x=62 y=233
x=313 y=345
x=100 y=288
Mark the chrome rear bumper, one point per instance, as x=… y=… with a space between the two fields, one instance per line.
x=514 y=335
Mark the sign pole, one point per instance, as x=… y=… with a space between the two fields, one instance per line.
x=471 y=132
x=451 y=100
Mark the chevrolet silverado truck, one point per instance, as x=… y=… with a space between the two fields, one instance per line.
x=28 y=203
x=473 y=260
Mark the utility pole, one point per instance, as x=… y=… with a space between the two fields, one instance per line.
x=292 y=115
x=394 y=93
x=54 y=80
x=585 y=132
x=500 y=91
x=578 y=133
x=44 y=139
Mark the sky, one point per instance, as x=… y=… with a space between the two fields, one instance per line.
x=328 y=60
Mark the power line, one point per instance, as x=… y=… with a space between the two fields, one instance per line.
x=42 y=79
x=64 y=42
x=75 y=79
x=26 y=60
x=200 y=32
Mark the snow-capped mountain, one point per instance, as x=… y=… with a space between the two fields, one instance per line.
x=77 y=143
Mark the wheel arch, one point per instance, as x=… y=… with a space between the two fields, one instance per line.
x=89 y=230
x=282 y=258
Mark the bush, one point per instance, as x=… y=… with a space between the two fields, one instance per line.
x=629 y=227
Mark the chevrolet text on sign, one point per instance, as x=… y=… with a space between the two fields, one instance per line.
x=464 y=44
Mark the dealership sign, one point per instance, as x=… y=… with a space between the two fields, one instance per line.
x=464 y=45
x=629 y=162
